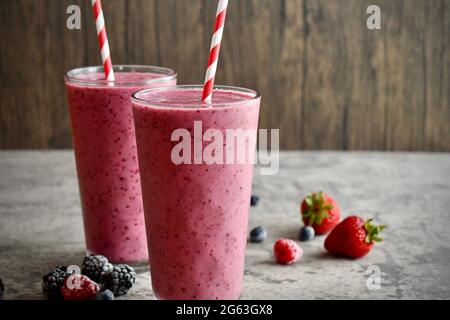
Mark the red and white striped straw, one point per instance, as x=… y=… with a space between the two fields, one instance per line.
x=103 y=39
x=214 y=51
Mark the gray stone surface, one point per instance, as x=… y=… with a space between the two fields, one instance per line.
x=40 y=224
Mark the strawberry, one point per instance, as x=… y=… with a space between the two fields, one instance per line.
x=320 y=211
x=79 y=287
x=353 y=237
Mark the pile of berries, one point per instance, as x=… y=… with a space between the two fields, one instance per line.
x=99 y=280
x=354 y=237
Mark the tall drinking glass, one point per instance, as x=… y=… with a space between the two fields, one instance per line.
x=196 y=164
x=106 y=157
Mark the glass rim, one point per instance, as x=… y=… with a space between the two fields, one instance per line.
x=72 y=75
x=135 y=97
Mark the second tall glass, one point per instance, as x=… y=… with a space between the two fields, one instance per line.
x=106 y=157
x=196 y=163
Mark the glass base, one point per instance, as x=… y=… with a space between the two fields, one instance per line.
x=138 y=266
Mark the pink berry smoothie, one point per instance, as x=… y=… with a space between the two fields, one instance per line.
x=196 y=214
x=106 y=157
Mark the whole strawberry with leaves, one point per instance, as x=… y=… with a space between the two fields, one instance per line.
x=320 y=211
x=353 y=237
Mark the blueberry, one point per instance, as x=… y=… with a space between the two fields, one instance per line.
x=258 y=235
x=306 y=233
x=104 y=295
x=254 y=200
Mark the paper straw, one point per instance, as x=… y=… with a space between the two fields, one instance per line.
x=103 y=39
x=214 y=51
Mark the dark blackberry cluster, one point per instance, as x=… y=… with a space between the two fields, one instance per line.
x=96 y=267
x=121 y=279
x=53 y=281
x=100 y=280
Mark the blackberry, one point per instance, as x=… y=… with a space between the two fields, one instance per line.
x=96 y=267
x=121 y=279
x=53 y=281
x=2 y=288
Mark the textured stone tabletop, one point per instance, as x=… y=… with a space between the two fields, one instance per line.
x=41 y=226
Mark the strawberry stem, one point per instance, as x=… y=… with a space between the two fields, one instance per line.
x=373 y=231
x=317 y=208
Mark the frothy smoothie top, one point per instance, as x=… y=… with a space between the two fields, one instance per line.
x=121 y=78
x=191 y=98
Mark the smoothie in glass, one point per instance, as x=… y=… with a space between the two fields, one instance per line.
x=196 y=214
x=106 y=158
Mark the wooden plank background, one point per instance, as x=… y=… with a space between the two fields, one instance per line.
x=327 y=81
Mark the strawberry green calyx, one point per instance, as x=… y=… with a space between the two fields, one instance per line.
x=373 y=231
x=317 y=208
